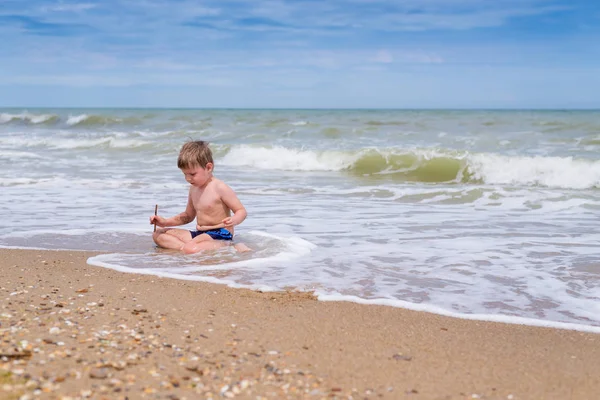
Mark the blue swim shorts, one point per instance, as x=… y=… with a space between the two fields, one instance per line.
x=217 y=234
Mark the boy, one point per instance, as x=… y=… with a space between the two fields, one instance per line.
x=210 y=202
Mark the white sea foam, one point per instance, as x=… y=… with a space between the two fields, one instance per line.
x=66 y=143
x=4 y=118
x=18 y=181
x=281 y=158
x=65 y=182
x=74 y=142
x=267 y=250
x=208 y=279
x=14 y=155
x=40 y=119
x=474 y=317
x=76 y=119
x=26 y=117
x=561 y=172
x=110 y=142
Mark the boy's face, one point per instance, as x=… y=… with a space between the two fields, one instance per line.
x=198 y=176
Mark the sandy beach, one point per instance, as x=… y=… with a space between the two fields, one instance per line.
x=70 y=330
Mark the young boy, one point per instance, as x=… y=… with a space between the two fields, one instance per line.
x=210 y=202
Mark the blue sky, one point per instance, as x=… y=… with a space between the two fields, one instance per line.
x=300 y=54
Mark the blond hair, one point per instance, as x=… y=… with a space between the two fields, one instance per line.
x=194 y=154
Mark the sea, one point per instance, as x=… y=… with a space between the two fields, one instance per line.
x=476 y=214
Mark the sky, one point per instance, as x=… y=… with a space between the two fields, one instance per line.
x=300 y=53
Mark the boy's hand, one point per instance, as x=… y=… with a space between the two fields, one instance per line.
x=228 y=222
x=155 y=219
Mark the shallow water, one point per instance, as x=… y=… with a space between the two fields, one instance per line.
x=480 y=214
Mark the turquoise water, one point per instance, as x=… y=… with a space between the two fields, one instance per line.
x=480 y=214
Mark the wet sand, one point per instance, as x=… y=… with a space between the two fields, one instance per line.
x=68 y=329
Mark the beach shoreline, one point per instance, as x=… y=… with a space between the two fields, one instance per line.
x=69 y=329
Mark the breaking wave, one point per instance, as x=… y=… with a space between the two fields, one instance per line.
x=424 y=165
x=28 y=118
x=80 y=120
x=101 y=120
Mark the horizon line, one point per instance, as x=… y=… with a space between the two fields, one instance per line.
x=310 y=108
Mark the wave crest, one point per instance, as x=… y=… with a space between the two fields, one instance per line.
x=28 y=118
x=424 y=165
x=100 y=120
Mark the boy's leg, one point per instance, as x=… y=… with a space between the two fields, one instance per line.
x=202 y=242
x=171 y=238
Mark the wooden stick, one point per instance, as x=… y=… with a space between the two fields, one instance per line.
x=155 y=213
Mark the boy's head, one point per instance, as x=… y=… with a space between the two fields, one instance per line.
x=195 y=154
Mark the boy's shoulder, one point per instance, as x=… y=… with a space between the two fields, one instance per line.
x=218 y=184
x=223 y=190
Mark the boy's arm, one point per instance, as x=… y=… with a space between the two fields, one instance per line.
x=230 y=199
x=180 y=219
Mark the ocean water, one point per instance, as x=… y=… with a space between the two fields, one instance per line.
x=487 y=215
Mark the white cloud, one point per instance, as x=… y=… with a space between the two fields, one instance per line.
x=471 y=19
x=424 y=58
x=123 y=80
x=68 y=7
x=383 y=57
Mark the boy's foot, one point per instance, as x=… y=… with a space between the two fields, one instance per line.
x=241 y=248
